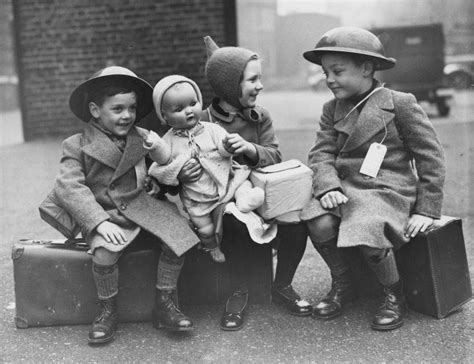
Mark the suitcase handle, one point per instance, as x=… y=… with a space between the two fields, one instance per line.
x=80 y=243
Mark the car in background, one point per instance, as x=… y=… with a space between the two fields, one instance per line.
x=459 y=71
x=419 y=51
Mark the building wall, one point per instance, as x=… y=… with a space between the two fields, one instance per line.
x=60 y=43
x=297 y=33
x=8 y=78
x=280 y=40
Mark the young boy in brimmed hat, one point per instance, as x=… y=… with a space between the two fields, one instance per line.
x=234 y=74
x=101 y=185
x=178 y=103
x=366 y=193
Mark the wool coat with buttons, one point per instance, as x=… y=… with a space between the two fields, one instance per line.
x=378 y=208
x=97 y=183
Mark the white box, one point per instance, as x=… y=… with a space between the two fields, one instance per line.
x=287 y=186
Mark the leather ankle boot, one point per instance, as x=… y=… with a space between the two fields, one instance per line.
x=105 y=324
x=166 y=314
x=342 y=292
x=390 y=313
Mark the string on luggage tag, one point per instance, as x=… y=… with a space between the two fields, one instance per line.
x=360 y=103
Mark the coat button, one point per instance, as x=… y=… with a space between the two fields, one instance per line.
x=123 y=207
x=112 y=186
x=342 y=175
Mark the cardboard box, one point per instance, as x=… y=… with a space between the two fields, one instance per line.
x=287 y=186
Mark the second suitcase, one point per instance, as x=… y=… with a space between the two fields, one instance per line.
x=435 y=270
x=433 y=267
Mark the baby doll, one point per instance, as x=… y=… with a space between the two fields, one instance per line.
x=178 y=103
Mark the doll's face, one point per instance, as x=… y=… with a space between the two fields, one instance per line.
x=344 y=77
x=117 y=113
x=251 y=83
x=180 y=107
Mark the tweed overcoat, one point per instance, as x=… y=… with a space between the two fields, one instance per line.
x=97 y=182
x=378 y=208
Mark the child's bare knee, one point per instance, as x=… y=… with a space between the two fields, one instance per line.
x=103 y=256
x=323 y=228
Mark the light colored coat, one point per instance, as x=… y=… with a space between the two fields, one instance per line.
x=97 y=182
x=378 y=208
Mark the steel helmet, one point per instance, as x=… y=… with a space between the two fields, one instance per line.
x=351 y=40
x=112 y=75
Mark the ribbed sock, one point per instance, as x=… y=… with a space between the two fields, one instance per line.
x=106 y=280
x=333 y=257
x=384 y=267
x=168 y=272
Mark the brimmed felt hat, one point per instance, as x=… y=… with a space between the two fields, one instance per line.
x=164 y=85
x=351 y=40
x=110 y=76
x=224 y=69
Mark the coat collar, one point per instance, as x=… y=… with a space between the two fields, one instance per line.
x=377 y=113
x=101 y=148
x=249 y=114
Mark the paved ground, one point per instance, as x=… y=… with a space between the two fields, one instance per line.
x=27 y=171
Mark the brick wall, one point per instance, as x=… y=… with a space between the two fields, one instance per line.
x=60 y=43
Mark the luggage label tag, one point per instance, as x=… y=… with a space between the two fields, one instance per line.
x=373 y=160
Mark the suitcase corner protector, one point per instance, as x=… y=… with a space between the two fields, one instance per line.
x=21 y=323
x=17 y=251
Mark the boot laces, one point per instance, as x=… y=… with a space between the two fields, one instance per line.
x=172 y=309
x=106 y=311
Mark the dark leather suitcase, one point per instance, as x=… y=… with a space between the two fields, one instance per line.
x=433 y=267
x=435 y=270
x=205 y=282
x=54 y=283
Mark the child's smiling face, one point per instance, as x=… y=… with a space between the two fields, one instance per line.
x=344 y=77
x=251 y=83
x=117 y=113
x=180 y=107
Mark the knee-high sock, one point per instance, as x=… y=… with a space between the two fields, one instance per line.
x=290 y=252
x=106 y=280
x=169 y=268
x=235 y=245
x=384 y=266
x=333 y=256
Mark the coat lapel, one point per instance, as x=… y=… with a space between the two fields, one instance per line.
x=133 y=153
x=101 y=147
x=345 y=123
x=375 y=116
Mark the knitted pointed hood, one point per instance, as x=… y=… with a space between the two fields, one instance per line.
x=224 y=69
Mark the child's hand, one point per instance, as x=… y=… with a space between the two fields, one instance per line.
x=190 y=172
x=112 y=233
x=237 y=145
x=150 y=139
x=333 y=199
x=151 y=186
x=417 y=223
